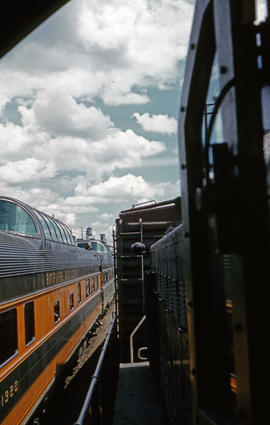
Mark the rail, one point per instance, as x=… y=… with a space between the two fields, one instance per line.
x=93 y=411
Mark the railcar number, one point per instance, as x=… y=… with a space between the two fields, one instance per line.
x=61 y=276
x=9 y=393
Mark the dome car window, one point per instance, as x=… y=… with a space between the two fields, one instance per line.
x=14 y=218
x=83 y=245
x=44 y=225
x=71 y=237
x=52 y=229
x=58 y=233
x=94 y=246
x=100 y=247
x=9 y=337
x=63 y=232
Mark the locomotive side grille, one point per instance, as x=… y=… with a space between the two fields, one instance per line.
x=167 y=260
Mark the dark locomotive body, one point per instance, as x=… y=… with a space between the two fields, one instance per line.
x=165 y=293
x=51 y=293
x=224 y=162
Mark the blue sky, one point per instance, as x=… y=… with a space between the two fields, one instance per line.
x=89 y=104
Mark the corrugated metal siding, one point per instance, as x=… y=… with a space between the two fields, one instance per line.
x=19 y=257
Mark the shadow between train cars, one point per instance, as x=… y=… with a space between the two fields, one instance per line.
x=51 y=293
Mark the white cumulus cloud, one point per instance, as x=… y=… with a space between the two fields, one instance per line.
x=156 y=123
x=59 y=114
x=129 y=188
x=101 y=48
x=26 y=170
x=60 y=148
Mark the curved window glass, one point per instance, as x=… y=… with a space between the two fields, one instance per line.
x=52 y=229
x=101 y=248
x=14 y=218
x=66 y=229
x=44 y=225
x=58 y=231
x=94 y=246
x=70 y=237
x=63 y=232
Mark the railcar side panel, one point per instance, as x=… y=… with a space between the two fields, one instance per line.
x=51 y=293
x=33 y=369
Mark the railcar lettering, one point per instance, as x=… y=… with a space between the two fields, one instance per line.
x=60 y=276
x=50 y=278
x=9 y=393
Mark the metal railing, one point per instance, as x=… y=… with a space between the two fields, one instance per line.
x=131 y=339
x=97 y=407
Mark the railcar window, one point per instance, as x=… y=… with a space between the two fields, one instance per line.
x=87 y=288
x=14 y=218
x=92 y=284
x=63 y=232
x=71 y=301
x=44 y=225
x=83 y=245
x=79 y=293
x=100 y=247
x=56 y=311
x=57 y=230
x=29 y=322
x=70 y=237
x=94 y=246
x=9 y=337
x=52 y=229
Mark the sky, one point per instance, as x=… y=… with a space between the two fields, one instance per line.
x=89 y=103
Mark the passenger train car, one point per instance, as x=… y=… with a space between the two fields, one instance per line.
x=51 y=293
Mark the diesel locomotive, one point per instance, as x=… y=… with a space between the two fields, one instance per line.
x=210 y=276
x=51 y=293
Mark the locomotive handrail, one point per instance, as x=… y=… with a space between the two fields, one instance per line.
x=95 y=376
x=131 y=338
